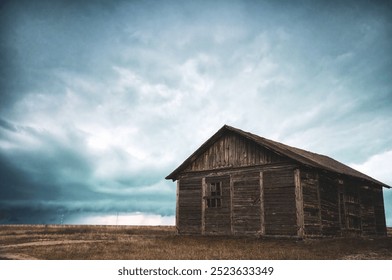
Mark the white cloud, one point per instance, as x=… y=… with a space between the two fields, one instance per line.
x=377 y=166
x=192 y=75
x=124 y=219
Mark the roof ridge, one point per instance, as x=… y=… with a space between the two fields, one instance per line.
x=299 y=155
x=349 y=170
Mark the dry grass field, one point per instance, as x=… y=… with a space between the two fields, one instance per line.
x=133 y=242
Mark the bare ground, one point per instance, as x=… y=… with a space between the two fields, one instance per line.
x=132 y=242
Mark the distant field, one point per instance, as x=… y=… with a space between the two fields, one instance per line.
x=133 y=242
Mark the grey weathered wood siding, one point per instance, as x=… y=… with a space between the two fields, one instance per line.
x=311 y=202
x=378 y=199
x=335 y=206
x=218 y=220
x=352 y=206
x=232 y=150
x=262 y=200
x=329 y=205
x=189 y=206
x=368 y=218
x=246 y=209
x=279 y=203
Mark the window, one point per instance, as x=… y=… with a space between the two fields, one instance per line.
x=214 y=195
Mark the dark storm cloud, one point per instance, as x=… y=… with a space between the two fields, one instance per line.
x=99 y=100
x=39 y=37
x=7 y=125
x=55 y=175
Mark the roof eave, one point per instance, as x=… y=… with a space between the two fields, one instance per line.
x=267 y=144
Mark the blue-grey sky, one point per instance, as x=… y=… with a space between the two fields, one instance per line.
x=100 y=100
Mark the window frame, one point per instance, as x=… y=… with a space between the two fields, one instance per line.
x=214 y=194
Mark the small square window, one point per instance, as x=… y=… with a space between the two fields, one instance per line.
x=214 y=195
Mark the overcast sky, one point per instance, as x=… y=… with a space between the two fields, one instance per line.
x=100 y=100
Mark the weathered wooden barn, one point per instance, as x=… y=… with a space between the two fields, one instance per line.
x=238 y=183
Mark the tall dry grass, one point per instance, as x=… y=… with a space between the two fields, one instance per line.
x=130 y=242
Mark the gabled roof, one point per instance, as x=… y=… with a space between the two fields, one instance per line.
x=298 y=155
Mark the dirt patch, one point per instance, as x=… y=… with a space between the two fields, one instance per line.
x=47 y=243
x=161 y=243
x=31 y=245
x=15 y=256
x=368 y=256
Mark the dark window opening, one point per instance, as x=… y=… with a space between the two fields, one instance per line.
x=214 y=195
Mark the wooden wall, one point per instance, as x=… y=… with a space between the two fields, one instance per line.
x=379 y=211
x=329 y=205
x=350 y=207
x=189 y=210
x=232 y=150
x=368 y=218
x=264 y=200
x=254 y=201
x=311 y=202
x=246 y=203
x=279 y=203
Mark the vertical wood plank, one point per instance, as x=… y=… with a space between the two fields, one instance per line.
x=250 y=153
x=203 y=205
x=259 y=156
x=360 y=210
x=299 y=202
x=374 y=212
x=231 y=150
x=319 y=200
x=262 y=219
x=235 y=151
x=177 y=207
x=219 y=153
x=243 y=153
x=226 y=148
x=339 y=206
x=231 y=205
